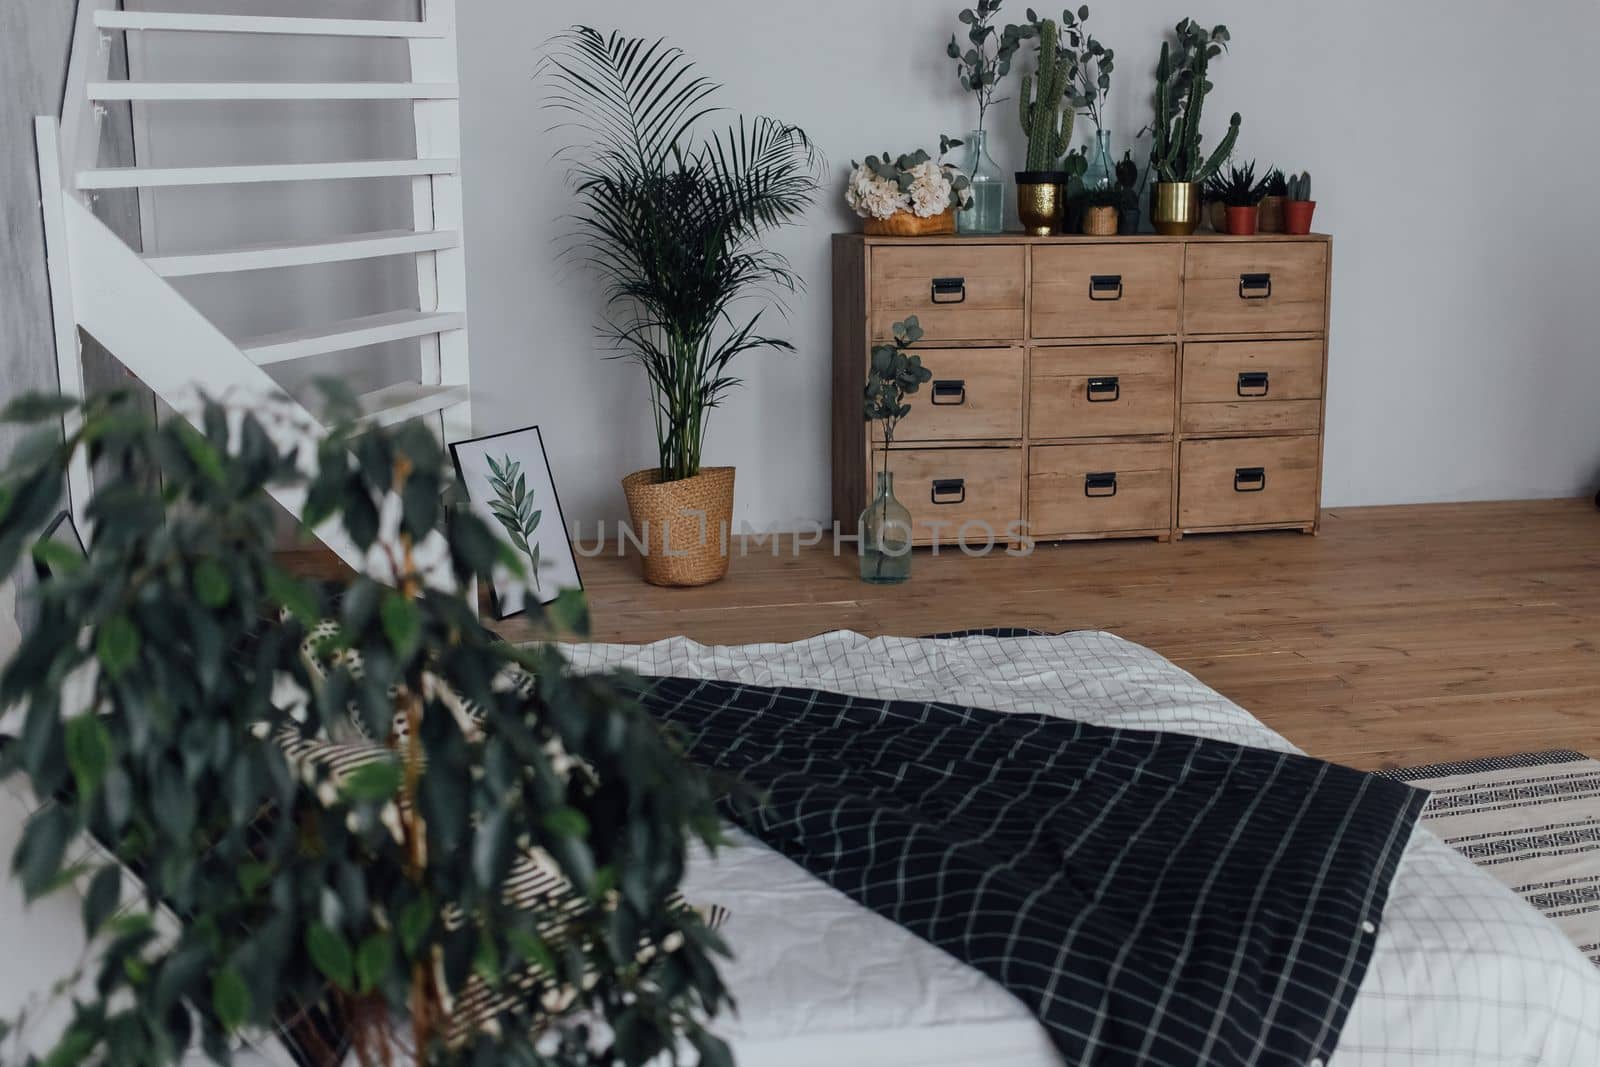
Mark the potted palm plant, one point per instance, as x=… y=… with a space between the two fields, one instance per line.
x=1176 y=157
x=675 y=224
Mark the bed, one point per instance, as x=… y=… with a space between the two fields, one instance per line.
x=1463 y=972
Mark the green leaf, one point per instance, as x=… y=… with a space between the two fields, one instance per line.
x=373 y=782
x=252 y=876
x=88 y=752
x=373 y=960
x=211 y=584
x=331 y=955
x=38 y=858
x=415 y=920
x=568 y=822
x=230 y=999
x=105 y=893
x=117 y=645
x=289 y=592
x=57 y=557
x=72 y=1050
x=402 y=623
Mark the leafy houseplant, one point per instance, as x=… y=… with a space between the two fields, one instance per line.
x=1046 y=118
x=675 y=226
x=885 y=526
x=1090 y=65
x=1176 y=156
x=910 y=195
x=981 y=67
x=1242 y=193
x=1274 y=191
x=1297 y=210
x=513 y=507
x=267 y=888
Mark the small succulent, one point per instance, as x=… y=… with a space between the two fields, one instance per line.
x=1104 y=196
x=1299 y=186
x=1128 y=171
x=1275 y=184
x=1240 y=187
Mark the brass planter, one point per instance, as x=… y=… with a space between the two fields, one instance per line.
x=1040 y=202
x=1175 y=208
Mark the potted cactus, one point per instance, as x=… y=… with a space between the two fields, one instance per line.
x=1298 y=208
x=1275 y=190
x=1181 y=89
x=1128 y=198
x=1047 y=121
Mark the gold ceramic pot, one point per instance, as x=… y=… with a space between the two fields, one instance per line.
x=1175 y=208
x=1039 y=201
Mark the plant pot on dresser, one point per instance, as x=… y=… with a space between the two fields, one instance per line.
x=1090 y=388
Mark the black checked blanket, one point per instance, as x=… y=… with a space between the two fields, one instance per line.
x=1153 y=898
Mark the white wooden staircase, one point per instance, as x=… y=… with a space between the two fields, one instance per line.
x=125 y=300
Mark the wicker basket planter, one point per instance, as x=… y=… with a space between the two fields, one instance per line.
x=1271 y=220
x=684 y=525
x=907 y=224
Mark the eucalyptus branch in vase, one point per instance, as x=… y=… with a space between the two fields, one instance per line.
x=987 y=58
x=893 y=375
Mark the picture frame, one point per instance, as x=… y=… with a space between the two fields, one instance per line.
x=510 y=487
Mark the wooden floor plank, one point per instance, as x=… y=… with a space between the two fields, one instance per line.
x=1400 y=635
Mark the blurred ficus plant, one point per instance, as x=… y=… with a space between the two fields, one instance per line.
x=288 y=892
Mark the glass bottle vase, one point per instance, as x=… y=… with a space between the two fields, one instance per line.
x=885 y=529
x=987 y=212
x=1102 y=170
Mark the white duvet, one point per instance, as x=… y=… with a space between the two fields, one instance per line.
x=1464 y=973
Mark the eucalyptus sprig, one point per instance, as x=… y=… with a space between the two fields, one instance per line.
x=986 y=60
x=1089 y=69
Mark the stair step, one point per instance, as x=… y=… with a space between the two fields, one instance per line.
x=175 y=91
x=310 y=27
x=407 y=400
x=303 y=253
x=349 y=334
x=161 y=177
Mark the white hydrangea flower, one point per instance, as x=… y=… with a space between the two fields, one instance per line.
x=870 y=196
x=930 y=190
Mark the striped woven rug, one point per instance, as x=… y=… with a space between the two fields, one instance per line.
x=1531 y=820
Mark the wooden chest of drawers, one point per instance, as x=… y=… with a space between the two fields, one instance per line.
x=1089 y=387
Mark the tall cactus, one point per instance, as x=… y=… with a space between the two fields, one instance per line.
x=1046 y=118
x=1175 y=155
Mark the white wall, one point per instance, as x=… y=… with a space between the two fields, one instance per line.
x=1452 y=161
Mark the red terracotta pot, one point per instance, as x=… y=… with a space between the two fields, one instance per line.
x=1297 y=215
x=1242 y=221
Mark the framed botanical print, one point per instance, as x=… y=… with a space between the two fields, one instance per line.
x=508 y=482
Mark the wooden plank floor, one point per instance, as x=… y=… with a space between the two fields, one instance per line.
x=1399 y=636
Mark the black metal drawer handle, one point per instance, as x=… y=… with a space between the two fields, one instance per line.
x=1249 y=479
x=1253 y=383
x=1105 y=287
x=1255 y=286
x=950 y=392
x=1100 y=484
x=948 y=290
x=952 y=490
x=1104 y=390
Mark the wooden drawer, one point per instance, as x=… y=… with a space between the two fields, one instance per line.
x=973 y=492
x=1252 y=386
x=1106 y=290
x=1101 y=391
x=1255 y=287
x=975 y=393
x=958 y=292
x=1251 y=481
x=1099 y=489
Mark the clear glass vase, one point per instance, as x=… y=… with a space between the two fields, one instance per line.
x=987 y=212
x=885 y=536
x=1102 y=170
